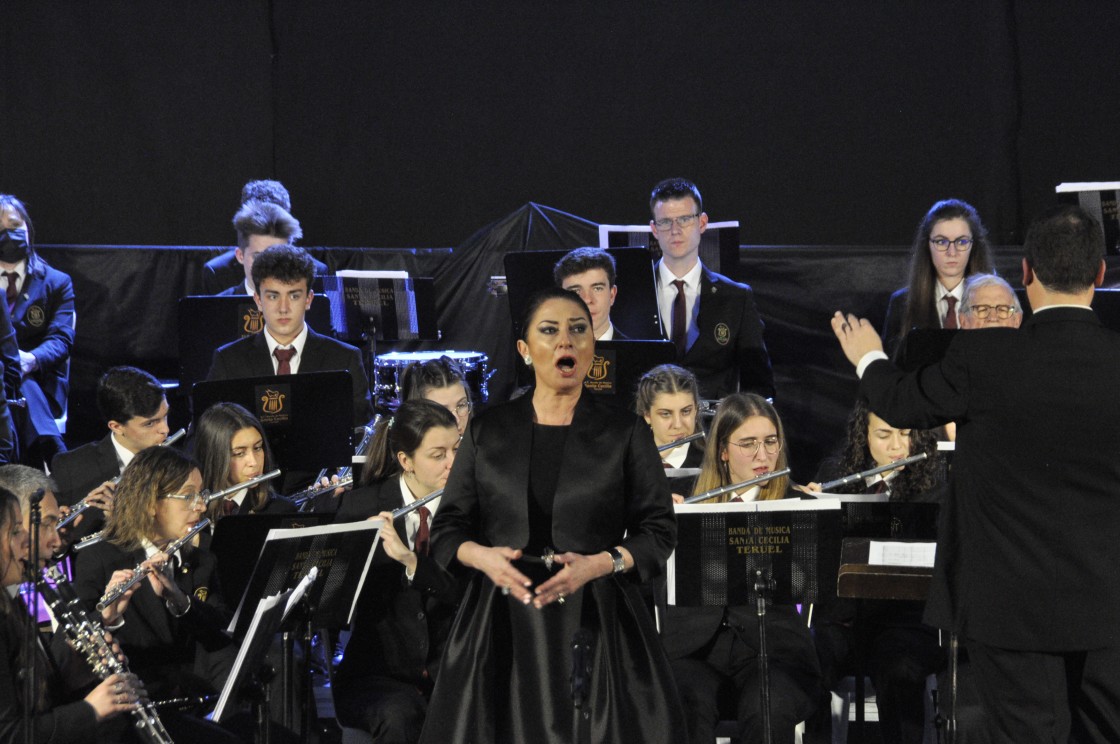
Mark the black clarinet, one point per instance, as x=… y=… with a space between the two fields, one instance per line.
x=87 y=635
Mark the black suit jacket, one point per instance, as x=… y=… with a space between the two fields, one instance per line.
x=611 y=482
x=235 y=291
x=161 y=649
x=43 y=317
x=893 y=330
x=399 y=628
x=1028 y=554
x=730 y=353
x=249 y=357
x=224 y=271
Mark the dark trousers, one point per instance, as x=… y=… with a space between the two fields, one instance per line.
x=392 y=711
x=724 y=676
x=1031 y=696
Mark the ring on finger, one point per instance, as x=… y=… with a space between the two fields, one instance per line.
x=505 y=590
x=560 y=597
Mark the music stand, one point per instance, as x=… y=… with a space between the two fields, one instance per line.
x=617 y=367
x=371 y=306
x=719 y=244
x=207 y=322
x=307 y=417
x=770 y=552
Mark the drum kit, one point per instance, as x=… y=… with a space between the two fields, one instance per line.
x=388 y=369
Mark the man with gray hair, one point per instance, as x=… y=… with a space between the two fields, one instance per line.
x=989 y=302
x=24 y=481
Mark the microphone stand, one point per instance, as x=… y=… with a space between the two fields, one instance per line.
x=31 y=619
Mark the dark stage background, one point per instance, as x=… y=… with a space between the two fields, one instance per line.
x=404 y=123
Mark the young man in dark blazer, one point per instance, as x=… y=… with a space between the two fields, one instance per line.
x=135 y=409
x=590 y=273
x=282 y=276
x=720 y=339
x=1027 y=556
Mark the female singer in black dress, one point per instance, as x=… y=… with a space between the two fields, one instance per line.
x=232 y=448
x=408 y=601
x=62 y=713
x=556 y=508
x=901 y=651
x=669 y=400
x=715 y=649
x=951 y=245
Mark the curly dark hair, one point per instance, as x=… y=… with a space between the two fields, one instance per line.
x=913 y=481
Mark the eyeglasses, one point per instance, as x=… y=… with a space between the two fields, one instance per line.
x=941 y=245
x=1003 y=312
x=194 y=500
x=749 y=447
x=683 y=222
x=462 y=408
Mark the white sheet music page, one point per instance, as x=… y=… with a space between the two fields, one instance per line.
x=915 y=555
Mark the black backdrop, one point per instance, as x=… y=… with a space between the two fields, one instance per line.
x=404 y=123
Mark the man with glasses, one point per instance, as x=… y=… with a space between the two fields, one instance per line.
x=989 y=302
x=711 y=319
x=1026 y=561
x=590 y=273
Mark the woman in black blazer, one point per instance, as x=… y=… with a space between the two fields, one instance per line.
x=405 y=609
x=715 y=649
x=556 y=509
x=669 y=400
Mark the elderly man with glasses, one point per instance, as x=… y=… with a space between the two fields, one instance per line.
x=989 y=302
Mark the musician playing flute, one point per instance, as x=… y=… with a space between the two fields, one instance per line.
x=408 y=601
x=169 y=624
x=714 y=650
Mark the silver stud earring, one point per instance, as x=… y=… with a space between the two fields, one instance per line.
x=528 y=360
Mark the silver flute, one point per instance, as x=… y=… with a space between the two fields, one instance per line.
x=873 y=471
x=735 y=486
x=402 y=510
x=81 y=506
x=116 y=592
x=86 y=634
x=682 y=440
x=302 y=497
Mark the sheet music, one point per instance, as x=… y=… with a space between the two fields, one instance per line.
x=916 y=555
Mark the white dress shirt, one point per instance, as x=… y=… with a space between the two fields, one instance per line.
x=297 y=344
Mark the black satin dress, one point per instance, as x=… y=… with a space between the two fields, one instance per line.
x=506 y=675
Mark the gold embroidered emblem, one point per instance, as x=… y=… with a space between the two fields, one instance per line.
x=722 y=334
x=254 y=321
x=599 y=367
x=201 y=593
x=36 y=316
x=272 y=401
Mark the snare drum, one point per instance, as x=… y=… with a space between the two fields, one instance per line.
x=389 y=368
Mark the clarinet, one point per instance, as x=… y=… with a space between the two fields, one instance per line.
x=87 y=635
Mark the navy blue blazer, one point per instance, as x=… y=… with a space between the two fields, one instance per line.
x=44 y=321
x=224 y=271
x=1028 y=547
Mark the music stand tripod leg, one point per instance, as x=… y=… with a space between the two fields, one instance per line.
x=762 y=588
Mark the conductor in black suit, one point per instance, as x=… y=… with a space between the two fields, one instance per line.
x=282 y=276
x=1026 y=561
x=712 y=320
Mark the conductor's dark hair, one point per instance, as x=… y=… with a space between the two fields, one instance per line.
x=581 y=260
x=921 y=307
x=542 y=296
x=126 y=392
x=1064 y=248
x=267 y=191
x=265 y=218
x=284 y=263
x=675 y=188
x=402 y=432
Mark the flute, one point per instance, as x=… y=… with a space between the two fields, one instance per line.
x=138 y=573
x=88 y=637
x=82 y=505
x=873 y=471
x=735 y=486
x=212 y=497
x=682 y=440
x=402 y=510
x=302 y=497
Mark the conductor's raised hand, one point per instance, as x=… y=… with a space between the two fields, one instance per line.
x=857 y=336
x=496 y=564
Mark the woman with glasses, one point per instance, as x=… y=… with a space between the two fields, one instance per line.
x=669 y=400
x=901 y=651
x=714 y=650
x=408 y=601
x=951 y=244
x=170 y=624
x=231 y=446
x=439 y=380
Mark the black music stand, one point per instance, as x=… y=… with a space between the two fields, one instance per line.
x=618 y=366
x=342 y=553
x=368 y=309
x=307 y=417
x=761 y=553
x=207 y=322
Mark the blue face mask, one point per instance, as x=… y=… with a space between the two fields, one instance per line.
x=13 y=245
